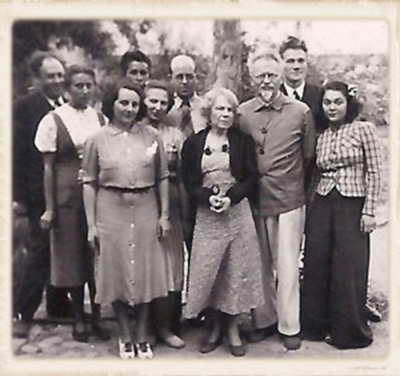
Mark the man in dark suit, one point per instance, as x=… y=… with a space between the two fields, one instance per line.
x=28 y=194
x=293 y=52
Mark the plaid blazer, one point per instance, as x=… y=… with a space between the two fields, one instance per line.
x=349 y=160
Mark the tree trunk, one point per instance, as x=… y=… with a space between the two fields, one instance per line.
x=227 y=55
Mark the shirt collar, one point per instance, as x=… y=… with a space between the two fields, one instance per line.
x=275 y=105
x=299 y=89
x=52 y=102
x=192 y=100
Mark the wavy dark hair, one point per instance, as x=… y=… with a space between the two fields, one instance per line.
x=163 y=85
x=354 y=107
x=110 y=95
x=130 y=56
x=292 y=42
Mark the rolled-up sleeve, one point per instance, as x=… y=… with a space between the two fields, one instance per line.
x=90 y=162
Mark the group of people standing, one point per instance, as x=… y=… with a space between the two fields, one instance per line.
x=123 y=192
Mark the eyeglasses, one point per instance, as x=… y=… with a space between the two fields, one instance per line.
x=261 y=76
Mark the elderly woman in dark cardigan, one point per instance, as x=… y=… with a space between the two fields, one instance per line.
x=220 y=173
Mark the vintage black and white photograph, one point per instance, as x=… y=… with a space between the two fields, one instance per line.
x=196 y=189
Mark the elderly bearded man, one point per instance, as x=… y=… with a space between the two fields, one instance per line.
x=284 y=132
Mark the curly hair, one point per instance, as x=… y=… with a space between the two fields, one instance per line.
x=210 y=98
x=111 y=94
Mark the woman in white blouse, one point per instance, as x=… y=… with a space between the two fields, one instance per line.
x=60 y=137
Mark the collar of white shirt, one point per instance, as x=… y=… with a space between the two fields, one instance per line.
x=52 y=102
x=192 y=101
x=299 y=89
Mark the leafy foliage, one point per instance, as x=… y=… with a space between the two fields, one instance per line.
x=368 y=72
x=29 y=36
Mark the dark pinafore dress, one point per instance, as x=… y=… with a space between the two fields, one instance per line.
x=70 y=264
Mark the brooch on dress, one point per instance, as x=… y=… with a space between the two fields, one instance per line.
x=151 y=150
x=224 y=149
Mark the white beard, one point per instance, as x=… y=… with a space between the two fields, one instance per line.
x=266 y=95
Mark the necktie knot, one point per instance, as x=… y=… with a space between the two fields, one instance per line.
x=296 y=95
x=185 y=102
x=57 y=102
x=186 y=125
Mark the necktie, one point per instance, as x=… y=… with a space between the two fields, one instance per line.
x=57 y=102
x=296 y=95
x=186 y=125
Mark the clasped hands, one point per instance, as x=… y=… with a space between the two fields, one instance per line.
x=218 y=203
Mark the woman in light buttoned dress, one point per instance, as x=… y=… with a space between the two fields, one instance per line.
x=124 y=169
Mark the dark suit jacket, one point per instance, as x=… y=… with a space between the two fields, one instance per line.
x=243 y=165
x=27 y=160
x=312 y=98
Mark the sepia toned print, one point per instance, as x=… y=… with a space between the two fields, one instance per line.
x=290 y=319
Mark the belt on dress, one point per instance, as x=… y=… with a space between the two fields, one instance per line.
x=328 y=170
x=128 y=190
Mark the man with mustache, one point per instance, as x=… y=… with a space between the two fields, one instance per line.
x=284 y=132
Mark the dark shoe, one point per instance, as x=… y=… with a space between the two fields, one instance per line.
x=80 y=336
x=239 y=350
x=313 y=337
x=330 y=342
x=100 y=332
x=21 y=328
x=207 y=347
x=372 y=314
x=64 y=311
x=198 y=322
x=260 y=334
x=291 y=342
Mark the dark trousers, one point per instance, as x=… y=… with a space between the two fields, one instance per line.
x=33 y=274
x=336 y=271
